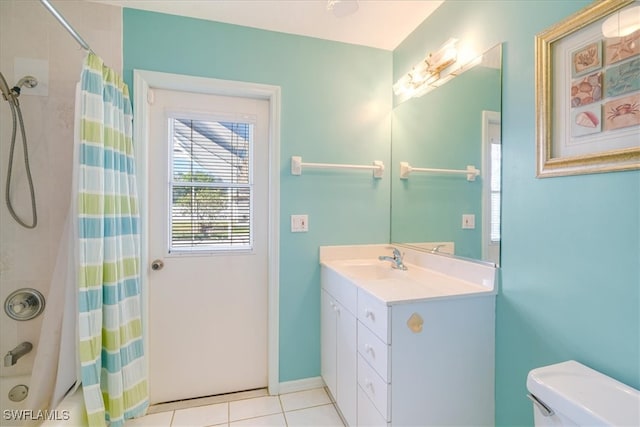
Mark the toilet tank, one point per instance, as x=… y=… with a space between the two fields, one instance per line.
x=576 y=395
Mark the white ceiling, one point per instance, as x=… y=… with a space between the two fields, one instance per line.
x=377 y=23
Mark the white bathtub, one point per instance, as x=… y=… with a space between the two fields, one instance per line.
x=9 y=407
x=70 y=412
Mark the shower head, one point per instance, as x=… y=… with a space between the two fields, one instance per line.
x=27 y=81
x=12 y=94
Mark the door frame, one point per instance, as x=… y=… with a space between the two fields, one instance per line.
x=488 y=118
x=143 y=80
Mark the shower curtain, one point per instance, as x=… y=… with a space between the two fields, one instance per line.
x=56 y=366
x=113 y=370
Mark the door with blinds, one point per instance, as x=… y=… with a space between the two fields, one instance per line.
x=208 y=231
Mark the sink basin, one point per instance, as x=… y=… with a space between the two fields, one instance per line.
x=392 y=285
x=367 y=269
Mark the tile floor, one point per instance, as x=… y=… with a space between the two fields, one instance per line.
x=311 y=408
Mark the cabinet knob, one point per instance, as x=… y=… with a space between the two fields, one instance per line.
x=369 y=349
x=369 y=313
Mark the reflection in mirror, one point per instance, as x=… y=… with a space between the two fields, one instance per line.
x=450 y=128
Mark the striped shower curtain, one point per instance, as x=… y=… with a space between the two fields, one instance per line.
x=110 y=326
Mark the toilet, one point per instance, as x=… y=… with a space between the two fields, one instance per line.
x=571 y=394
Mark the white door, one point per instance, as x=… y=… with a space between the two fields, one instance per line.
x=208 y=228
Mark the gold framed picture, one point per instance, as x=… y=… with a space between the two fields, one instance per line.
x=588 y=91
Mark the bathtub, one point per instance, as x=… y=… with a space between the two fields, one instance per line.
x=8 y=406
x=70 y=412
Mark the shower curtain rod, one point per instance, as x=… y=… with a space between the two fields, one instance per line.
x=66 y=25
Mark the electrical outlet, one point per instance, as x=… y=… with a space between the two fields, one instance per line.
x=299 y=223
x=468 y=221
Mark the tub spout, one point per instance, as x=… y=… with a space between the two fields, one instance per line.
x=12 y=357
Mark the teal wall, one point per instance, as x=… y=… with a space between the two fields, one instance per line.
x=570 y=245
x=336 y=100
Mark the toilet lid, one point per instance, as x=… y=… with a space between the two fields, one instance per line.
x=584 y=395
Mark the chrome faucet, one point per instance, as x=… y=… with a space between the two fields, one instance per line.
x=436 y=249
x=12 y=357
x=396 y=259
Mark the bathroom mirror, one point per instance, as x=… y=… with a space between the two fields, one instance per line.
x=448 y=129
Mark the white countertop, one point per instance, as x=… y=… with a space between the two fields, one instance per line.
x=394 y=286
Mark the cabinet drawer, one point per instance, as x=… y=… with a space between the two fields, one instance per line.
x=374 y=351
x=340 y=288
x=373 y=314
x=374 y=387
x=368 y=415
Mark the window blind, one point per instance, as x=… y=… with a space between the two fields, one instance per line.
x=496 y=154
x=211 y=186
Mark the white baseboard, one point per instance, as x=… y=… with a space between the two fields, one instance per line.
x=301 y=385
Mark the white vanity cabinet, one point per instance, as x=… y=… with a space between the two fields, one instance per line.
x=408 y=348
x=338 y=342
x=434 y=366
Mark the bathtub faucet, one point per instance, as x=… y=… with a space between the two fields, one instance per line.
x=12 y=357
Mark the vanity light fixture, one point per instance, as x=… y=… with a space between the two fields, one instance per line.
x=444 y=57
x=426 y=73
x=622 y=23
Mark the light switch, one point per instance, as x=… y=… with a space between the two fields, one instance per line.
x=299 y=223
x=468 y=221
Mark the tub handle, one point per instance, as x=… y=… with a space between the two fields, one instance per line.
x=24 y=304
x=546 y=411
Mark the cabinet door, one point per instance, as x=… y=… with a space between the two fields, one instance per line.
x=444 y=374
x=347 y=360
x=328 y=341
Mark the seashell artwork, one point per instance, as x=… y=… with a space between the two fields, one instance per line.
x=620 y=48
x=585 y=87
x=623 y=112
x=587 y=119
x=623 y=78
x=587 y=58
x=586 y=90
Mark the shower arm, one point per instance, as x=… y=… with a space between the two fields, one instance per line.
x=66 y=25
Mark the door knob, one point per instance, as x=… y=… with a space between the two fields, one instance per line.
x=157 y=265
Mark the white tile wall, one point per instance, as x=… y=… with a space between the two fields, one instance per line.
x=28 y=30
